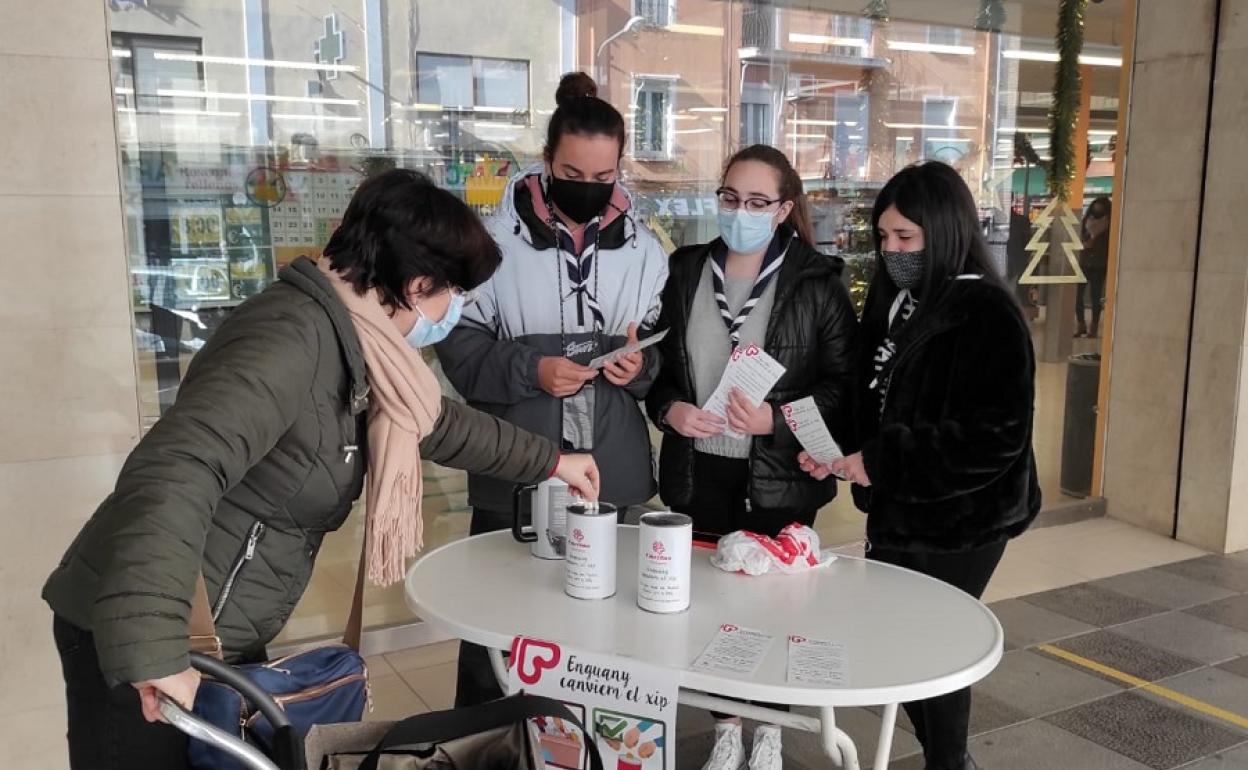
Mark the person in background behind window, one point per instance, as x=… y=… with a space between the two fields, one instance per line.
x=761 y=283
x=1094 y=259
x=581 y=277
x=946 y=389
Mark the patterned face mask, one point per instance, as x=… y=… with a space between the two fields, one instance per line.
x=904 y=267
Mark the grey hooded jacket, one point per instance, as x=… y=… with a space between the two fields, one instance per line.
x=519 y=317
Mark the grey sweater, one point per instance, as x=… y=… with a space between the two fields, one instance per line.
x=710 y=346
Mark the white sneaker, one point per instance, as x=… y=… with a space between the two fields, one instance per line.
x=729 y=751
x=766 y=753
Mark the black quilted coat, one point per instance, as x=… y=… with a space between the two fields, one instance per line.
x=811 y=332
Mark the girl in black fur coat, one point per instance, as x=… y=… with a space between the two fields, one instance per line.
x=944 y=401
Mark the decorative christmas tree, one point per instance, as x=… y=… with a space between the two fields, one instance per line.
x=1039 y=245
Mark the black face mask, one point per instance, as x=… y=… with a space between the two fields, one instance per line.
x=581 y=201
x=904 y=267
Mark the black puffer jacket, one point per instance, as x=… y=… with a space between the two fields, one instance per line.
x=950 y=458
x=811 y=332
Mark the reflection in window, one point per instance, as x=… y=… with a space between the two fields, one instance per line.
x=502 y=84
x=467 y=83
x=755 y=123
x=445 y=80
x=758 y=25
x=944 y=35
x=852 y=135
x=652 y=120
x=660 y=13
x=847 y=31
x=941 y=140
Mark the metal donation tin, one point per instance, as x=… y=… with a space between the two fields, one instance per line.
x=665 y=542
x=591 y=552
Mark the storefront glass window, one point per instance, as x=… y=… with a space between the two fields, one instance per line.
x=244 y=128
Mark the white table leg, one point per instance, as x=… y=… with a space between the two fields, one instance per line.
x=885 y=747
x=836 y=742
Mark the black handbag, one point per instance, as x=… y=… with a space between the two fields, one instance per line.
x=493 y=736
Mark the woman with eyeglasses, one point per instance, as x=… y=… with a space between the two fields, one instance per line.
x=760 y=283
x=303 y=390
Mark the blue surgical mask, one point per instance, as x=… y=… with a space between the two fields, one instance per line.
x=746 y=232
x=426 y=332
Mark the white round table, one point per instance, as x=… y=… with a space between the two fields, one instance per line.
x=907 y=636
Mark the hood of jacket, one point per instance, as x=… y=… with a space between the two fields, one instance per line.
x=527 y=217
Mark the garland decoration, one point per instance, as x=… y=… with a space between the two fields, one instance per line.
x=991 y=16
x=1067 y=88
x=876 y=10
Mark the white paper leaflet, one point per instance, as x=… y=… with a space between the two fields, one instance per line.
x=734 y=650
x=817 y=662
x=803 y=418
x=749 y=370
x=607 y=358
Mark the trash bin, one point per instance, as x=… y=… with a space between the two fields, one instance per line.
x=1083 y=378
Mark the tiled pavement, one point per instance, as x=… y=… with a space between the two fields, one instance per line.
x=1181 y=628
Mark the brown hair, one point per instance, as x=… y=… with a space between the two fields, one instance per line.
x=791 y=188
x=580 y=111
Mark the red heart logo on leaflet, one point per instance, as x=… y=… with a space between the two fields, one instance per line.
x=533 y=658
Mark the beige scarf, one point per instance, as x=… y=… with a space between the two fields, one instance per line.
x=404 y=403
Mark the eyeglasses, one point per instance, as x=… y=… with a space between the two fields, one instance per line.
x=730 y=201
x=469 y=297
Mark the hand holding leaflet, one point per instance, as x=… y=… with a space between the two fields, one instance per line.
x=749 y=370
x=606 y=358
x=803 y=418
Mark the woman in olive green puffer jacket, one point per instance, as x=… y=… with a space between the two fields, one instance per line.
x=264 y=452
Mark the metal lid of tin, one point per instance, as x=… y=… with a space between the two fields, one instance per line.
x=666 y=519
x=592 y=509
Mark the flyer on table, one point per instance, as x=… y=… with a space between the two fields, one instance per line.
x=629 y=707
x=817 y=662
x=734 y=650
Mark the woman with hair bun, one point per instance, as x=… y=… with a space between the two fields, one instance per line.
x=581 y=277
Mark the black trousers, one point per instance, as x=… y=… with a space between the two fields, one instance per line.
x=474 y=678
x=941 y=724
x=1094 y=291
x=721 y=489
x=107 y=730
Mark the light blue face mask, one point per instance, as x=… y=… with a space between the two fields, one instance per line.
x=746 y=232
x=426 y=332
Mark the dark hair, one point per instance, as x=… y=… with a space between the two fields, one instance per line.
x=790 y=184
x=580 y=111
x=399 y=226
x=1102 y=204
x=936 y=198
